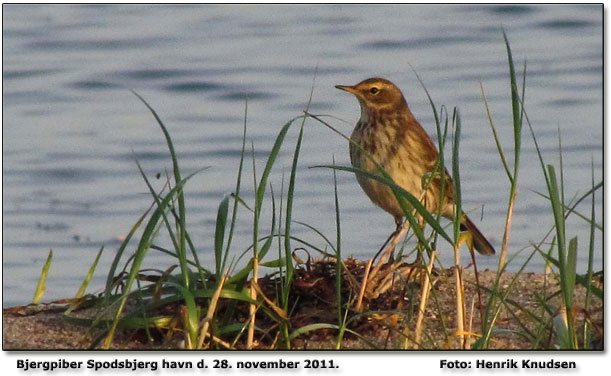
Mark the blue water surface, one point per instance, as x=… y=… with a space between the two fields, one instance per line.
x=72 y=129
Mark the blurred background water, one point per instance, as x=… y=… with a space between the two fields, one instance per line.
x=71 y=128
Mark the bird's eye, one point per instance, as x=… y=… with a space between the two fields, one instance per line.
x=374 y=90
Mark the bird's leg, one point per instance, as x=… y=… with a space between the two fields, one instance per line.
x=393 y=240
x=392 y=235
x=367 y=276
x=419 y=258
x=402 y=228
x=399 y=224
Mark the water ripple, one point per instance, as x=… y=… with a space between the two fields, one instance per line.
x=97 y=44
x=94 y=85
x=566 y=24
x=511 y=9
x=425 y=42
x=8 y=73
x=244 y=95
x=154 y=73
x=193 y=86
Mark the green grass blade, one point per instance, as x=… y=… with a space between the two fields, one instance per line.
x=591 y=191
x=271 y=160
x=493 y=310
x=268 y=242
x=338 y=262
x=402 y=193
x=143 y=246
x=571 y=263
x=180 y=196
x=561 y=167
x=571 y=210
x=565 y=269
x=83 y=288
x=515 y=108
x=319 y=233
x=205 y=271
x=558 y=212
x=261 y=186
x=219 y=235
x=241 y=274
x=236 y=194
x=518 y=128
x=183 y=262
x=497 y=141
x=433 y=107
x=158 y=199
x=192 y=311
x=587 y=329
x=289 y=217
x=42 y=281
x=580 y=279
x=311 y=327
x=439 y=168
x=115 y=262
x=274 y=263
x=280 y=244
x=456 y=174
x=563 y=333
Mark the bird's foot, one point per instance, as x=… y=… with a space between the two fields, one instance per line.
x=395 y=274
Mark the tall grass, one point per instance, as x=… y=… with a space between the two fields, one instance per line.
x=566 y=257
x=233 y=306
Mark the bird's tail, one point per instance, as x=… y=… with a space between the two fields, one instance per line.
x=481 y=244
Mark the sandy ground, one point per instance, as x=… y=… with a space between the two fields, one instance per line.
x=43 y=326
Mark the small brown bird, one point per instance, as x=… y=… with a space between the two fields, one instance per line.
x=388 y=130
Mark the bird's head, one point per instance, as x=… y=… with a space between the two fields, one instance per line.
x=376 y=94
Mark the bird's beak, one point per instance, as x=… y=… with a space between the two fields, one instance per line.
x=350 y=89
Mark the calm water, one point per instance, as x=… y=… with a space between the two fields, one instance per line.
x=71 y=128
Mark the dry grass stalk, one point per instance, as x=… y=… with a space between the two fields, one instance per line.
x=363 y=285
x=253 y=307
x=185 y=319
x=503 y=255
x=426 y=287
x=460 y=303
x=211 y=310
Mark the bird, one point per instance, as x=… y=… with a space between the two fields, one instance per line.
x=393 y=138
